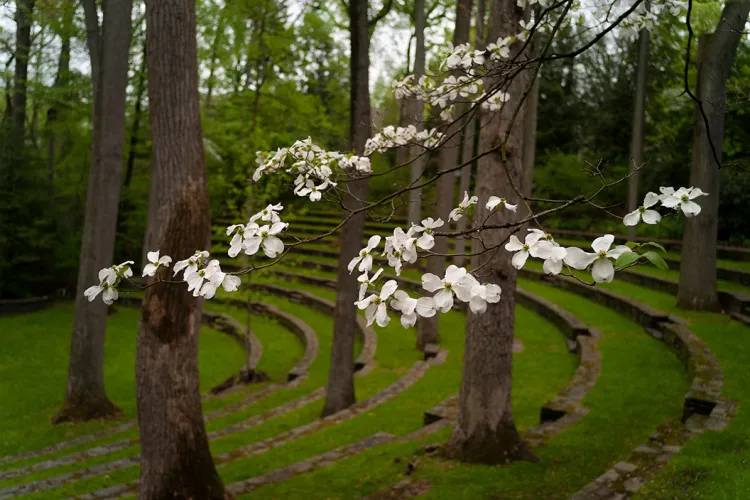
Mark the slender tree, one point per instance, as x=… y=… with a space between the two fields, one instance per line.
x=469 y=134
x=444 y=188
x=639 y=120
x=61 y=82
x=417 y=110
x=175 y=458
x=485 y=431
x=24 y=13
x=85 y=397
x=340 y=387
x=697 y=288
x=135 y=128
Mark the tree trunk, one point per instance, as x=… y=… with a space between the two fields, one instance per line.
x=340 y=387
x=211 y=80
x=24 y=11
x=417 y=118
x=485 y=431
x=175 y=458
x=85 y=398
x=697 y=288
x=137 y=115
x=61 y=82
x=444 y=187
x=639 y=119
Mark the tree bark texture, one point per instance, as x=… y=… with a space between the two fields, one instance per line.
x=85 y=397
x=444 y=187
x=24 y=12
x=340 y=387
x=61 y=82
x=417 y=118
x=175 y=458
x=485 y=431
x=697 y=288
x=137 y=116
x=639 y=120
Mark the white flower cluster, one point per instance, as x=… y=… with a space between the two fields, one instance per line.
x=313 y=166
x=251 y=237
x=204 y=277
x=457 y=282
x=681 y=199
x=393 y=137
x=541 y=245
x=109 y=280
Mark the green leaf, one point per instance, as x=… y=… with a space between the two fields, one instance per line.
x=625 y=259
x=655 y=245
x=633 y=245
x=656 y=260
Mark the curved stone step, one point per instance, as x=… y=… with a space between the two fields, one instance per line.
x=367 y=334
x=23 y=306
x=566 y=406
x=414 y=374
x=229 y=326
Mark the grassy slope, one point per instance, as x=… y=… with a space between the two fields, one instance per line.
x=713 y=465
x=641 y=384
x=33 y=367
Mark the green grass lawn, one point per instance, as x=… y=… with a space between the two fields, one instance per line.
x=641 y=384
x=34 y=362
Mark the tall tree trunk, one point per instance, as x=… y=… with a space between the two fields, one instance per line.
x=444 y=188
x=24 y=12
x=530 y=122
x=175 y=458
x=417 y=118
x=468 y=140
x=485 y=431
x=639 y=119
x=61 y=82
x=211 y=80
x=85 y=397
x=137 y=116
x=340 y=387
x=697 y=288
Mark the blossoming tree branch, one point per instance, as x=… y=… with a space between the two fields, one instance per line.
x=316 y=174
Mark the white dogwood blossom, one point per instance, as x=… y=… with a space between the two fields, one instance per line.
x=364 y=258
x=494 y=201
x=155 y=263
x=106 y=286
x=603 y=271
x=191 y=264
x=456 y=280
x=268 y=214
x=410 y=307
x=400 y=248
x=553 y=255
x=375 y=306
x=463 y=207
x=365 y=282
x=643 y=212
x=523 y=250
x=682 y=199
x=483 y=294
x=426 y=241
x=266 y=238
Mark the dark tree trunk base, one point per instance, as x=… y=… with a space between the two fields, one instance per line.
x=335 y=404
x=243 y=377
x=710 y=304
x=85 y=411
x=488 y=447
